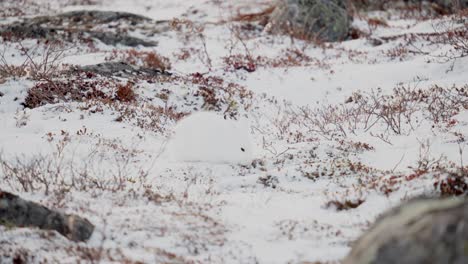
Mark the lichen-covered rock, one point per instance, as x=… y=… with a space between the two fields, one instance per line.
x=85 y=25
x=452 y=5
x=326 y=20
x=119 y=69
x=447 y=5
x=16 y=212
x=420 y=231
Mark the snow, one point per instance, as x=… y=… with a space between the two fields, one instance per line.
x=157 y=186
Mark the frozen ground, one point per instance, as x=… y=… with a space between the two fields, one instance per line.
x=341 y=133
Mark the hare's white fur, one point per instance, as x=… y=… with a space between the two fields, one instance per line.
x=206 y=136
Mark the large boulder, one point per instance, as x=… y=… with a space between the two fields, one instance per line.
x=420 y=231
x=108 y=27
x=326 y=20
x=444 y=6
x=16 y=212
x=452 y=5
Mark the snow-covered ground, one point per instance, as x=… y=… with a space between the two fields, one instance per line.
x=330 y=124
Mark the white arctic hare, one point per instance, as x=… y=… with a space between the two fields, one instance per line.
x=206 y=136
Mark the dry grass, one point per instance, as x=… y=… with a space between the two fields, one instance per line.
x=42 y=61
x=397 y=112
x=344 y=205
x=77 y=88
x=57 y=173
x=291 y=57
x=147 y=59
x=125 y=93
x=8 y=70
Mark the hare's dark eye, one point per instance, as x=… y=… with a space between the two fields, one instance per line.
x=243 y=150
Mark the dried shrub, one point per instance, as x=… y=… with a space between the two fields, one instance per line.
x=268 y=181
x=189 y=32
x=447 y=178
x=48 y=65
x=77 y=89
x=451 y=32
x=344 y=205
x=409 y=9
x=399 y=52
x=454 y=33
x=147 y=59
x=57 y=172
x=148 y=117
x=397 y=111
x=291 y=57
x=44 y=66
x=210 y=100
x=125 y=93
x=155 y=61
x=454 y=184
x=377 y=22
x=240 y=62
x=356 y=33
x=218 y=94
x=11 y=71
x=20 y=8
x=261 y=16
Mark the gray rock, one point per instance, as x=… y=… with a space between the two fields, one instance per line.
x=119 y=69
x=16 y=212
x=80 y=25
x=452 y=5
x=102 y=17
x=110 y=38
x=448 y=5
x=326 y=20
x=420 y=231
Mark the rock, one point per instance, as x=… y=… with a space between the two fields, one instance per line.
x=82 y=25
x=444 y=6
x=451 y=5
x=16 y=212
x=375 y=41
x=120 y=69
x=102 y=17
x=421 y=231
x=113 y=39
x=326 y=20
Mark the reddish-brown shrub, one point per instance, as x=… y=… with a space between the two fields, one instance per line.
x=74 y=89
x=125 y=93
x=376 y=22
x=147 y=59
x=240 y=62
x=345 y=205
x=454 y=184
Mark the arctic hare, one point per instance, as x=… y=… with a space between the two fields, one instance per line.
x=206 y=136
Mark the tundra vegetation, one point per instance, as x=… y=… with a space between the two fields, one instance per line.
x=353 y=107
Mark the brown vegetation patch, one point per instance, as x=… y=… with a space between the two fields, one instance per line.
x=344 y=205
x=147 y=59
x=125 y=93
x=75 y=89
